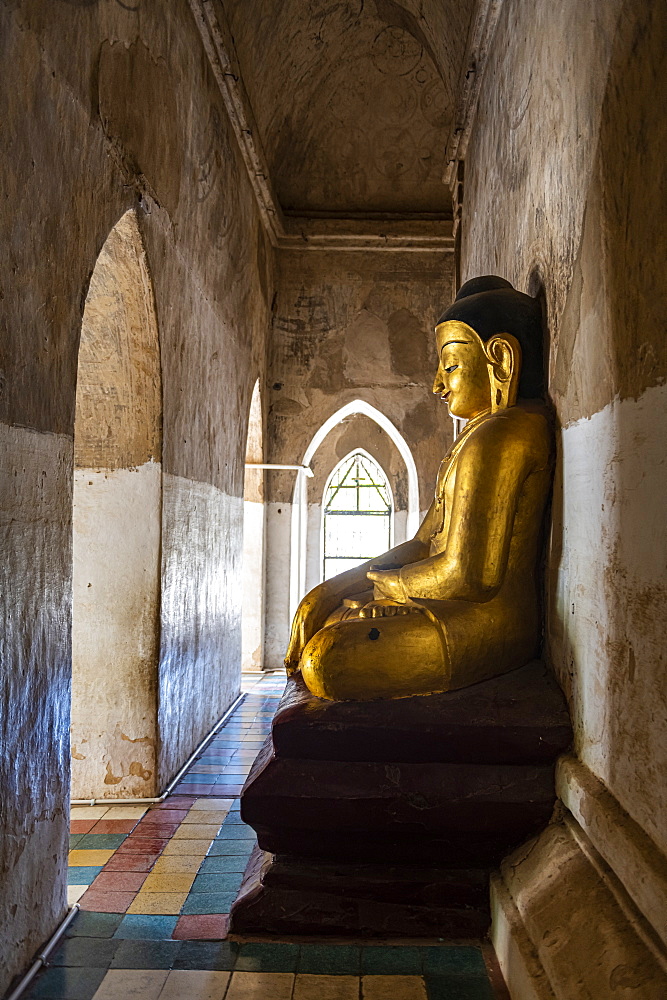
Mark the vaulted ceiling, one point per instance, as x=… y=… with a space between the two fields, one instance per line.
x=353 y=99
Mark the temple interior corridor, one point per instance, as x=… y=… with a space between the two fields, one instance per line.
x=229 y=231
x=155 y=885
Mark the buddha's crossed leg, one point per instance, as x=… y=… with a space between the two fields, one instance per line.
x=361 y=659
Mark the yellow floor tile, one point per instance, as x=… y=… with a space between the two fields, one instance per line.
x=212 y=816
x=128 y=984
x=126 y=812
x=81 y=859
x=327 y=988
x=260 y=986
x=192 y=831
x=170 y=882
x=74 y=893
x=206 y=804
x=195 y=985
x=191 y=847
x=158 y=902
x=393 y=988
x=176 y=863
x=88 y=812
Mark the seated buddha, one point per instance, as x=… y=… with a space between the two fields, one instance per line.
x=460 y=602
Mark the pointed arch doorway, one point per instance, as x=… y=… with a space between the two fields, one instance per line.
x=117 y=527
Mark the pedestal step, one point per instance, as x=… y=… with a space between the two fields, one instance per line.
x=384 y=818
x=292 y=896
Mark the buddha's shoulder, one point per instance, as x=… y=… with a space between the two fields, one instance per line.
x=526 y=425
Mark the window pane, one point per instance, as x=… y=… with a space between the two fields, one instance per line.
x=332 y=567
x=357 y=515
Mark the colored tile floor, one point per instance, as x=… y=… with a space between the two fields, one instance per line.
x=155 y=886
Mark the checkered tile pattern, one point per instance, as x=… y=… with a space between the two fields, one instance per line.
x=155 y=887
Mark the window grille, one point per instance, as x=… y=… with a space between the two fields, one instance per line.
x=357 y=514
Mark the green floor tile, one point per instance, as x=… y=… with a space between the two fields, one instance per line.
x=65 y=984
x=208 y=956
x=146 y=954
x=93 y=952
x=388 y=960
x=330 y=960
x=94 y=925
x=267 y=957
x=100 y=841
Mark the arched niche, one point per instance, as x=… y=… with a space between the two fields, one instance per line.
x=252 y=609
x=116 y=527
x=392 y=453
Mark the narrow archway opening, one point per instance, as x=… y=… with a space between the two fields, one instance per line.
x=357 y=514
x=116 y=528
x=252 y=613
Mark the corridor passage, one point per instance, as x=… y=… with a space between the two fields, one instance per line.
x=155 y=886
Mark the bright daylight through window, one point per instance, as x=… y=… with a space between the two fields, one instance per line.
x=357 y=514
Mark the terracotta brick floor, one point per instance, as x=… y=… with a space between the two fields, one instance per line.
x=155 y=886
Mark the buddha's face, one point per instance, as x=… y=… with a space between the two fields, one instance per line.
x=462 y=379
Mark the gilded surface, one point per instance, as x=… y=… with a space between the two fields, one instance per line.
x=459 y=602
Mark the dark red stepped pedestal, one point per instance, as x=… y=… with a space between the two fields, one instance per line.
x=384 y=818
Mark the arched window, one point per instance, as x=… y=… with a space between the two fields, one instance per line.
x=357 y=514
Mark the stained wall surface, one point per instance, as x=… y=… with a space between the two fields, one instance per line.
x=348 y=326
x=565 y=189
x=353 y=101
x=117 y=507
x=118 y=110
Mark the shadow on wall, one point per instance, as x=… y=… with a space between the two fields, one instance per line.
x=116 y=527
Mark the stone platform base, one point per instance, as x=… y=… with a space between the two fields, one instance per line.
x=287 y=895
x=385 y=818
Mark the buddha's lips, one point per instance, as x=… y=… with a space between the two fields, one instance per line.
x=445 y=396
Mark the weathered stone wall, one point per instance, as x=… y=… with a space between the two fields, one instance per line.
x=113 y=107
x=348 y=326
x=565 y=190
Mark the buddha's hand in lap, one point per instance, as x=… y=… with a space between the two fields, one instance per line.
x=387 y=585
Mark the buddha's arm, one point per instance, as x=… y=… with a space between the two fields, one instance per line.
x=489 y=476
x=318 y=604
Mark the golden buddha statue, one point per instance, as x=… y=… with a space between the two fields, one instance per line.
x=459 y=602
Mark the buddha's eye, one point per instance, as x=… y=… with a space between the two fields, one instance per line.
x=452 y=368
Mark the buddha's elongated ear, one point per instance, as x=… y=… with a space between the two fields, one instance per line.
x=503 y=354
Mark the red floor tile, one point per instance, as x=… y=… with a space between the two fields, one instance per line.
x=143 y=845
x=164 y=816
x=82 y=825
x=131 y=862
x=106 y=902
x=209 y=926
x=114 y=826
x=108 y=881
x=175 y=802
x=159 y=830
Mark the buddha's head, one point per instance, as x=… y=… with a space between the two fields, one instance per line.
x=489 y=348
